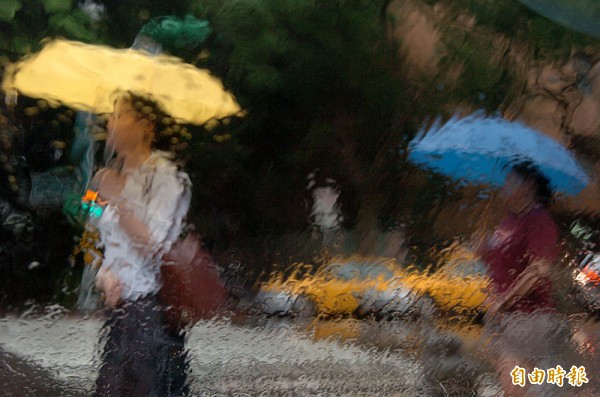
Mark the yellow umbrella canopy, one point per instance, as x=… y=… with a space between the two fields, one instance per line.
x=87 y=77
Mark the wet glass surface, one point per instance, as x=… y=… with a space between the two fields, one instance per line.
x=299 y=198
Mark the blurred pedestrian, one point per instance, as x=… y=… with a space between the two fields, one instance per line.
x=147 y=198
x=522 y=248
x=521 y=320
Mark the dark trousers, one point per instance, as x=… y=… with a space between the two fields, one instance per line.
x=142 y=355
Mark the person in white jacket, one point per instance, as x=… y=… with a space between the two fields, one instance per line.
x=147 y=198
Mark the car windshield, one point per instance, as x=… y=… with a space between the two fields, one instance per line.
x=359 y=269
x=290 y=197
x=469 y=268
x=377 y=270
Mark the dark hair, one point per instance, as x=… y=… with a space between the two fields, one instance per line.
x=168 y=134
x=528 y=172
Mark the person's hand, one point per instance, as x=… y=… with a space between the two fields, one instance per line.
x=110 y=286
x=135 y=229
x=110 y=184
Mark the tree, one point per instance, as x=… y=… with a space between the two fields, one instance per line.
x=322 y=90
x=26 y=22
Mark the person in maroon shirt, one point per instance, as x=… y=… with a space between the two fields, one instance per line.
x=522 y=248
x=520 y=320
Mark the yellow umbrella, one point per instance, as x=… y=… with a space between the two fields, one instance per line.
x=86 y=77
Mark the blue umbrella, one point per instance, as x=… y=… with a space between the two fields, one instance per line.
x=481 y=149
x=581 y=15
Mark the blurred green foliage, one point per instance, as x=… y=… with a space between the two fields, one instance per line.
x=25 y=23
x=8 y=8
x=321 y=87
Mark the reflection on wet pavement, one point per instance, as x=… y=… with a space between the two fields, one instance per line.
x=282 y=356
x=24 y=378
x=227 y=359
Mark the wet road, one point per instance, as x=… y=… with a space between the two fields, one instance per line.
x=56 y=355
x=19 y=377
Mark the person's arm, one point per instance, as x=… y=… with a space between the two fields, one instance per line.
x=167 y=207
x=107 y=282
x=524 y=285
x=110 y=286
x=136 y=230
x=110 y=184
x=168 y=203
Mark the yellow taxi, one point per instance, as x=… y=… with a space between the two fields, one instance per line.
x=362 y=286
x=343 y=286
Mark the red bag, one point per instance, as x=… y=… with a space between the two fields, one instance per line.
x=191 y=288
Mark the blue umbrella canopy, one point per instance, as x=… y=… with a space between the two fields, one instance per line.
x=580 y=15
x=481 y=149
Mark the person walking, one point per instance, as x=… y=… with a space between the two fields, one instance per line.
x=521 y=320
x=146 y=200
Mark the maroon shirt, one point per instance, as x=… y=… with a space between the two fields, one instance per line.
x=515 y=244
